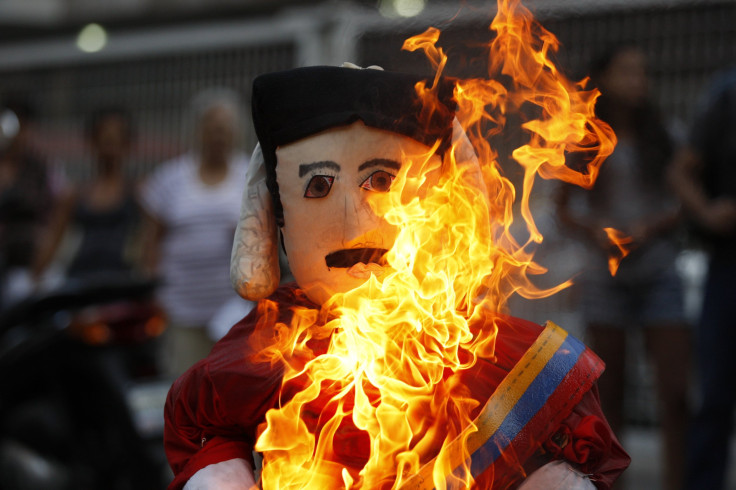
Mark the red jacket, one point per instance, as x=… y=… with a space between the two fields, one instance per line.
x=213 y=411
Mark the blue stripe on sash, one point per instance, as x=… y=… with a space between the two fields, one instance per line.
x=543 y=386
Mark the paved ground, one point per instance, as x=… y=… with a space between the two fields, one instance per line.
x=643 y=445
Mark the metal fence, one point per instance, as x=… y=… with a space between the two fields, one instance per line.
x=155 y=73
x=156 y=90
x=686 y=43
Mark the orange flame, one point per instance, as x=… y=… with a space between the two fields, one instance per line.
x=622 y=244
x=396 y=344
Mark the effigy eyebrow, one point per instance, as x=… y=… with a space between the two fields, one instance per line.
x=305 y=168
x=380 y=162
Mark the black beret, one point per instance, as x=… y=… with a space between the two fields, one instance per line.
x=294 y=104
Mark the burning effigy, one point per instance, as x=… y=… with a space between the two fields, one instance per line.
x=393 y=362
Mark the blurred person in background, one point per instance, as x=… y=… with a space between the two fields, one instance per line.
x=704 y=176
x=631 y=196
x=25 y=199
x=104 y=211
x=192 y=204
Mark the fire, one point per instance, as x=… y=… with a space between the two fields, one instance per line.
x=622 y=244
x=397 y=344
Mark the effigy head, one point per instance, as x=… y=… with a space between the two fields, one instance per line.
x=332 y=141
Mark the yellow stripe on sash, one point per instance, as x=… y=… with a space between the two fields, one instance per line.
x=498 y=406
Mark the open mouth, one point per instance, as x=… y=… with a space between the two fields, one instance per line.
x=349 y=257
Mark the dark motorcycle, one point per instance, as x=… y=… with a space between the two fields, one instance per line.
x=81 y=398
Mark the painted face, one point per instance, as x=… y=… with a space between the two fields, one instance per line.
x=626 y=77
x=333 y=238
x=217 y=132
x=111 y=140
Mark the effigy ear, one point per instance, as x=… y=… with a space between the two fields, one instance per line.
x=467 y=159
x=254 y=264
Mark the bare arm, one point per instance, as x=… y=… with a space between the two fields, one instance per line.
x=685 y=176
x=59 y=223
x=153 y=234
x=587 y=226
x=655 y=225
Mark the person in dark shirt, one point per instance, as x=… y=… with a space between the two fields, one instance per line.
x=104 y=210
x=704 y=176
x=645 y=295
x=25 y=198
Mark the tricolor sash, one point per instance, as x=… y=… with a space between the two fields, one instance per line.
x=533 y=399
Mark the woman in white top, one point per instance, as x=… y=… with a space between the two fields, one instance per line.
x=192 y=204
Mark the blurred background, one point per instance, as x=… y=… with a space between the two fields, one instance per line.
x=67 y=58
x=151 y=56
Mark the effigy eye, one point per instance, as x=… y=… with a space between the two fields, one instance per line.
x=319 y=186
x=378 y=181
